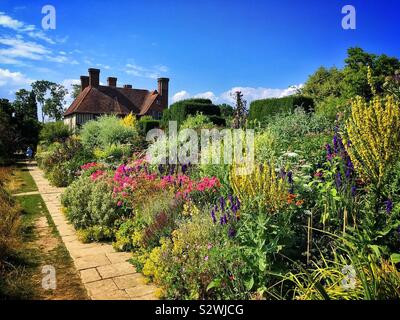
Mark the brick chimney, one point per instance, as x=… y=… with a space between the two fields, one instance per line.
x=112 y=82
x=127 y=86
x=163 y=91
x=84 y=82
x=94 y=77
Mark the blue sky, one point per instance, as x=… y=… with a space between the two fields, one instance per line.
x=207 y=48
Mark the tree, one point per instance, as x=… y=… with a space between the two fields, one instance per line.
x=355 y=81
x=8 y=133
x=51 y=98
x=25 y=105
x=324 y=83
x=76 y=90
x=240 y=111
x=54 y=106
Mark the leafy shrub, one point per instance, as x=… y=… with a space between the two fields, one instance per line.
x=198 y=121
x=62 y=161
x=91 y=203
x=196 y=263
x=331 y=106
x=106 y=131
x=54 y=132
x=265 y=109
x=113 y=153
x=95 y=234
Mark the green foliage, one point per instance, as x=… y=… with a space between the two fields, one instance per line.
x=113 y=153
x=54 y=132
x=355 y=72
x=180 y=110
x=324 y=83
x=227 y=111
x=146 y=124
x=95 y=234
x=91 y=204
x=51 y=97
x=61 y=161
x=198 y=121
x=106 y=131
x=265 y=109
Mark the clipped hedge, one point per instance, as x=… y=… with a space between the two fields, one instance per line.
x=178 y=111
x=262 y=109
x=147 y=125
x=218 y=121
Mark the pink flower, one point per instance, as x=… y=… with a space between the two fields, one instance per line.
x=119 y=203
x=206 y=258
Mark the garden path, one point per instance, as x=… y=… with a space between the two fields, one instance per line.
x=105 y=273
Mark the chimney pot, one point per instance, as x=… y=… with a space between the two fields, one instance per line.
x=128 y=86
x=163 y=91
x=84 y=82
x=112 y=82
x=94 y=77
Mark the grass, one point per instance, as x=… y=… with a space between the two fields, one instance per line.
x=21 y=181
x=40 y=245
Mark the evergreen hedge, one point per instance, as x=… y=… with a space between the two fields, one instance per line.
x=266 y=108
x=179 y=111
x=147 y=125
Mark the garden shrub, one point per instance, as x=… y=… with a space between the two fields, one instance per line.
x=90 y=203
x=198 y=121
x=61 y=161
x=265 y=109
x=187 y=265
x=106 y=131
x=54 y=132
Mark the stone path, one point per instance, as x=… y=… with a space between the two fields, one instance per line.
x=25 y=193
x=105 y=273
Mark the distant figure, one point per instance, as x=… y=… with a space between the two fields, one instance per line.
x=29 y=153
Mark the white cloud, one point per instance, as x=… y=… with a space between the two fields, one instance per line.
x=21 y=27
x=249 y=94
x=17 y=48
x=181 y=95
x=13 y=79
x=67 y=83
x=139 y=71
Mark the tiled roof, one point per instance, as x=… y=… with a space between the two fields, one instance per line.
x=104 y=99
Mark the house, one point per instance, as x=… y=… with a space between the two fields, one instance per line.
x=95 y=100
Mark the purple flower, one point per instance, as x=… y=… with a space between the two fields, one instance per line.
x=328 y=151
x=353 y=191
x=290 y=177
x=213 y=216
x=161 y=169
x=222 y=203
x=335 y=144
x=237 y=203
x=389 y=205
x=338 y=180
x=184 y=168
x=231 y=232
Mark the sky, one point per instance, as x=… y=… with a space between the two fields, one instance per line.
x=207 y=48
